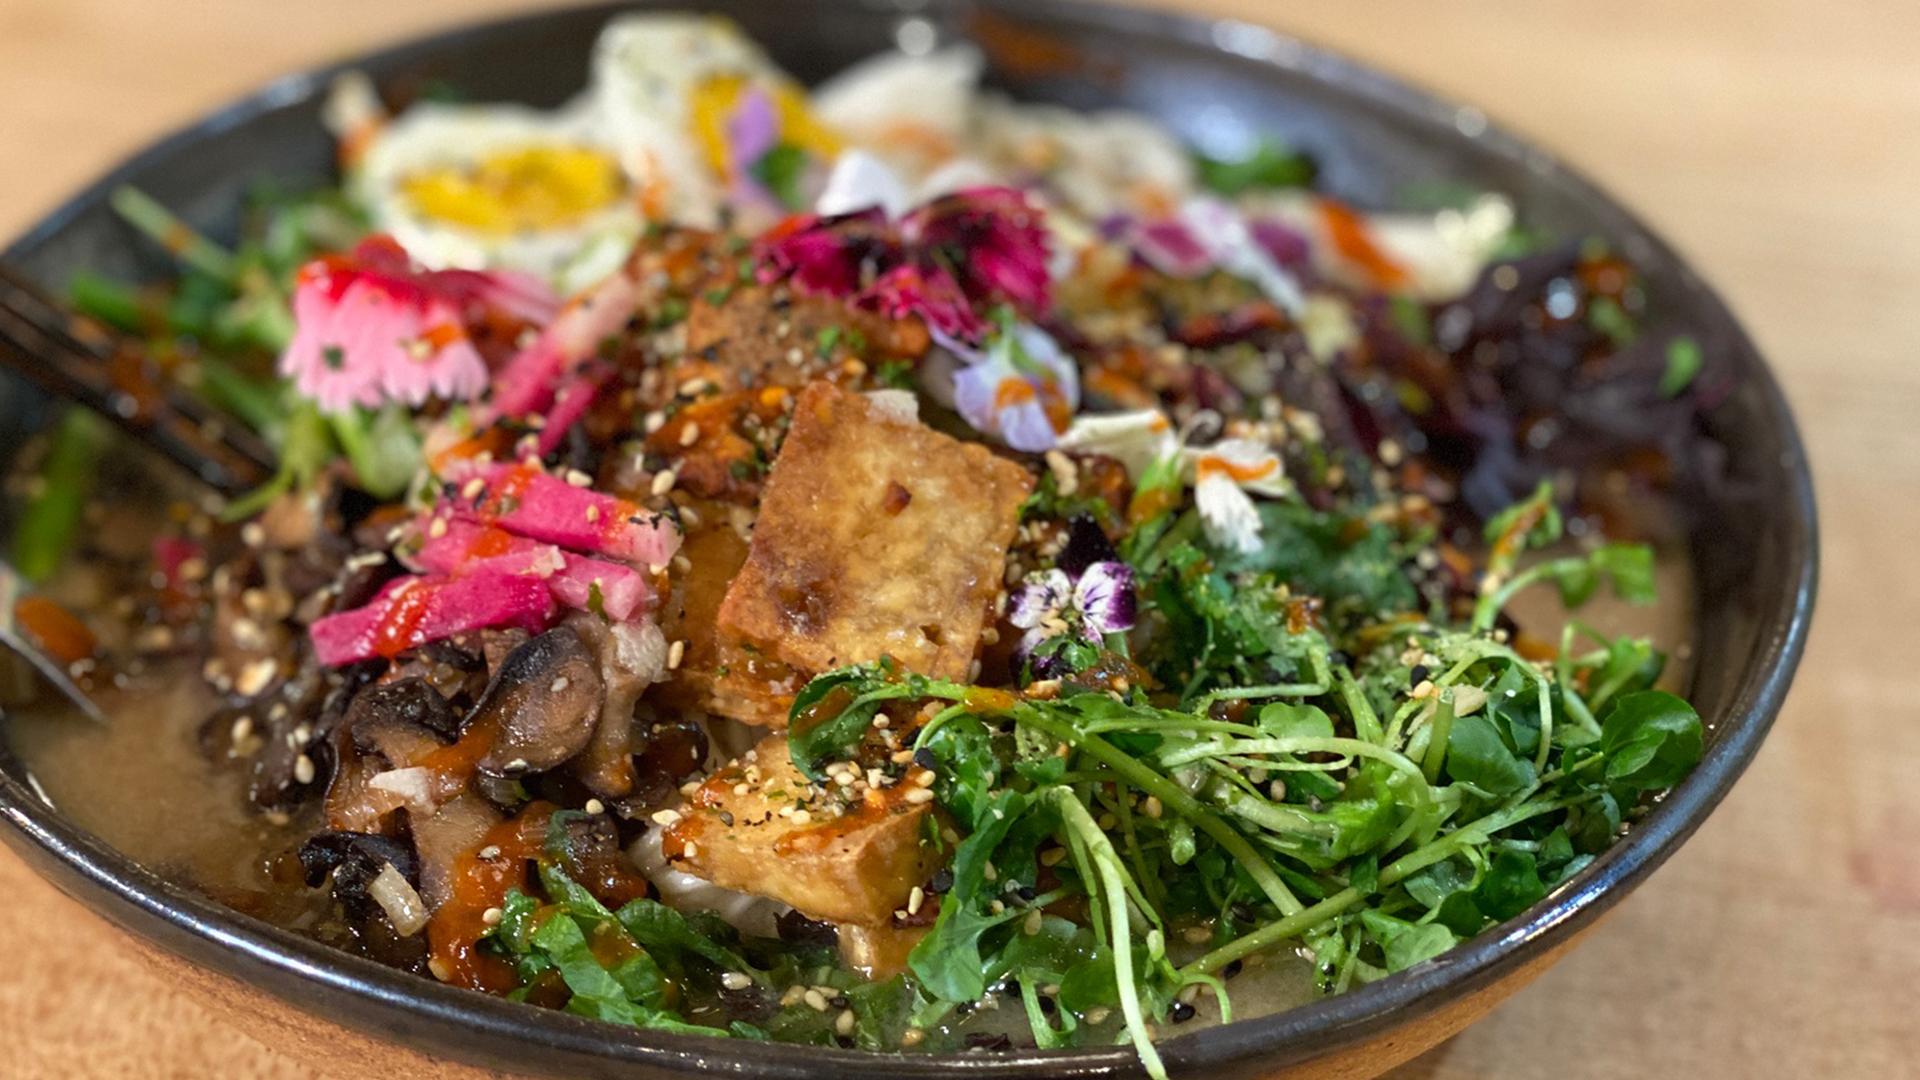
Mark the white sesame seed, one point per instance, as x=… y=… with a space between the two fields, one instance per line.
x=1033 y=923
x=793 y=996
x=1152 y=806
x=492 y=916
x=593 y=513
x=916 y=898
x=1052 y=856
x=303 y=769
x=844 y=1022
x=676 y=652
x=559 y=685
x=912 y=1037
x=665 y=817
x=438 y=528
x=801 y=817
x=736 y=980
x=255 y=676
x=663 y=482
x=439 y=969
x=689 y=435
x=919 y=795
x=693 y=850
x=490 y=852
x=579 y=479
x=815 y=1000
x=595 y=807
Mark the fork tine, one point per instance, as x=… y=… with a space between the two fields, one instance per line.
x=72 y=358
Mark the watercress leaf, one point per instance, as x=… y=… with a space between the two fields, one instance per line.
x=833 y=711
x=1511 y=885
x=948 y=960
x=1432 y=885
x=1089 y=983
x=1651 y=740
x=1460 y=914
x=1286 y=720
x=1403 y=943
x=968 y=769
x=1477 y=755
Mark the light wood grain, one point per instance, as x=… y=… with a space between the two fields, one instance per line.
x=1776 y=141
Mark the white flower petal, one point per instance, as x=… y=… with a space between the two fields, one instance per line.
x=860 y=181
x=1041 y=595
x=1135 y=439
x=1227 y=514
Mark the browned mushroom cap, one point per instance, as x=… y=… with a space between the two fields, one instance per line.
x=403 y=721
x=544 y=701
x=631 y=657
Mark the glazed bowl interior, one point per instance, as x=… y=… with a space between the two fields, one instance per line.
x=1221 y=86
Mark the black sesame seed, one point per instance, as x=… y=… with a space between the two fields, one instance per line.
x=941 y=881
x=838 y=1001
x=1024 y=892
x=1418 y=675
x=1046 y=1005
x=1181 y=1012
x=924 y=758
x=1233 y=969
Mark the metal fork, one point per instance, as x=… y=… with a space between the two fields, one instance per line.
x=77 y=360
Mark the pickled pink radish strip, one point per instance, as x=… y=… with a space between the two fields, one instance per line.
x=411 y=611
x=463 y=547
x=528 y=502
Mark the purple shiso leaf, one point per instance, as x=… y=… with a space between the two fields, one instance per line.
x=527 y=502
x=451 y=606
x=1038 y=597
x=1104 y=596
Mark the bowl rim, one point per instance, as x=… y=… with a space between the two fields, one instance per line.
x=391 y=1004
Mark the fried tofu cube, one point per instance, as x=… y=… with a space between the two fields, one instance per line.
x=877 y=536
x=759 y=826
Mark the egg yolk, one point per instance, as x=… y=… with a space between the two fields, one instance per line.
x=530 y=189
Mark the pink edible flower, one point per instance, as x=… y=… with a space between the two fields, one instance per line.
x=994 y=240
x=525 y=501
x=412 y=611
x=945 y=261
x=371 y=327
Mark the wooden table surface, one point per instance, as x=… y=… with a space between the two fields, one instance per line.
x=1776 y=141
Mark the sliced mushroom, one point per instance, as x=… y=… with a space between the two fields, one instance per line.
x=632 y=657
x=455 y=829
x=402 y=721
x=544 y=702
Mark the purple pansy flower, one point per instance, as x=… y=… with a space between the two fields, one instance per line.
x=1088 y=592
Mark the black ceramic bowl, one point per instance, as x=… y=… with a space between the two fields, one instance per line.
x=1215 y=83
